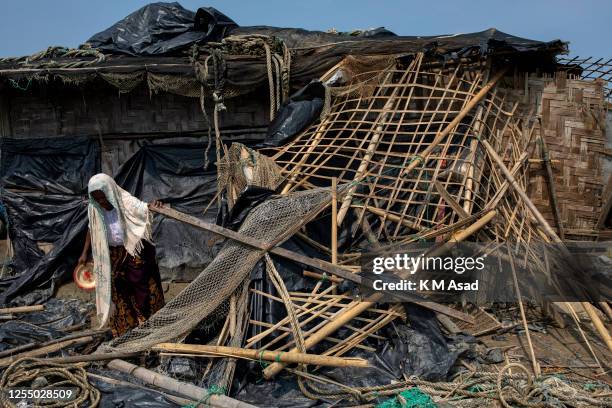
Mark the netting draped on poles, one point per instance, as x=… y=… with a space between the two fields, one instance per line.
x=271 y=222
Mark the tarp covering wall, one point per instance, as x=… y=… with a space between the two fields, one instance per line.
x=175 y=175
x=44 y=184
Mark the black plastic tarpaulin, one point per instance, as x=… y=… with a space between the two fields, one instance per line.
x=44 y=184
x=162 y=28
x=175 y=175
x=296 y=114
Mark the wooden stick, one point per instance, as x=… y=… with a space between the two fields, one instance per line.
x=448 y=128
x=294 y=256
x=45 y=350
x=251 y=354
x=188 y=390
x=534 y=362
x=23 y=309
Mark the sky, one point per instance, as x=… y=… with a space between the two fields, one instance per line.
x=28 y=26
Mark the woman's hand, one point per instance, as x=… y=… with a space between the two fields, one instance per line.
x=155 y=204
x=82 y=260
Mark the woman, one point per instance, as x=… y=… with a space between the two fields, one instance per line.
x=128 y=286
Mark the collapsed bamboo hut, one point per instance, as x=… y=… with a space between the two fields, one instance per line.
x=287 y=157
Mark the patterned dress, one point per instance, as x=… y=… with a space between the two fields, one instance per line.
x=136 y=288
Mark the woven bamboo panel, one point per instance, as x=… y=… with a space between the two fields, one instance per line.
x=573 y=125
x=71 y=111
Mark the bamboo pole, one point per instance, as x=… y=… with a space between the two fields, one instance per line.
x=86 y=358
x=606 y=308
x=530 y=205
x=469 y=185
x=534 y=361
x=448 y=128
x=601 y=328
x=22 y=309
x=45 y=350
x=252 y=354
x=552 y=190
x=180 y=401
x=370 y=150
x=450 y=200
x=188 y=390
x=506 y=184
x=334 y=225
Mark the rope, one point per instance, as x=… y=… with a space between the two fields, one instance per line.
x=286 y=71
x=15 y=84
x=24 y=371
x=270 y=81
x=213 y=390
x=35 y=60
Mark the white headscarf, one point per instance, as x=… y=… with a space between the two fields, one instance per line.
x=134 y=218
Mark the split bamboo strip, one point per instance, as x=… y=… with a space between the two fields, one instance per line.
x=252 y=354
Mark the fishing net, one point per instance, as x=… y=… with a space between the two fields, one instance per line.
x=271 y=222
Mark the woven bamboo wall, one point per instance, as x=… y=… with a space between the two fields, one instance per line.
x=52 y=110
x=573 y=121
